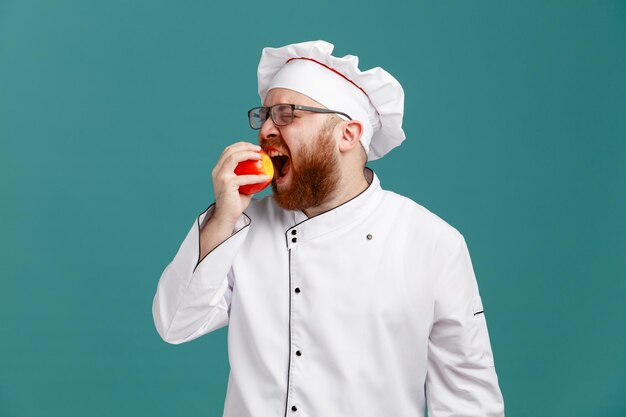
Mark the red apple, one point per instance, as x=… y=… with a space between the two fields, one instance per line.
x=261 y=166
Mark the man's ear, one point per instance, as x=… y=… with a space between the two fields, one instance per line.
x=351 y=131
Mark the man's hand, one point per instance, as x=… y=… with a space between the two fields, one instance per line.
x=229 y=203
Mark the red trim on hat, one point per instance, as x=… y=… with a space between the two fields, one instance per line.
x=333 y=70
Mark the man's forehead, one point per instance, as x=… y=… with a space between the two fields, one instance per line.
x=285 y=95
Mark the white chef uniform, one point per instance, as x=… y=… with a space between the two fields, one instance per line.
x=366 y=310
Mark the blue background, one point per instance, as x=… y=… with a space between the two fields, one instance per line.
x=112 y=114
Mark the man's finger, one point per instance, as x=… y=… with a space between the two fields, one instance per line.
x=250 y=179
x=241 y=146
x=234 y=149
x=231 y=162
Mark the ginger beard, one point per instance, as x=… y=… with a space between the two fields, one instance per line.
x=314 y=176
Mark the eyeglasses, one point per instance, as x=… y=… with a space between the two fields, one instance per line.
x=282 y=114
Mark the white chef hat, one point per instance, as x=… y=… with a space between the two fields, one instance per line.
x=373 y=97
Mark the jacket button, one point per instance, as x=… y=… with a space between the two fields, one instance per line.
x=294 y=240
x=293 y=232
x=294 y=408
x=297 y=290
x=298 y=353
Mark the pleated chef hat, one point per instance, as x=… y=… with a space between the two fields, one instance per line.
x=373 y=97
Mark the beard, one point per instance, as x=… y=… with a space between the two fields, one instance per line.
x=315 y=177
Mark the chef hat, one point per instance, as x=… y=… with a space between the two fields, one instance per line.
x=373 y=97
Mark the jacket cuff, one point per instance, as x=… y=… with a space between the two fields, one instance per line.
x=242 y=222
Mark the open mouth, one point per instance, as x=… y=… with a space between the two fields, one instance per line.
x=281 y=163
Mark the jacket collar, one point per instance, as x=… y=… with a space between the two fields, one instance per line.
x=351 y=211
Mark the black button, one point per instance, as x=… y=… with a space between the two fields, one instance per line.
x=297 y=290
x=293 y=232
x=298 y=353
x=294 y=240
x=369 y=237
x=294 y=408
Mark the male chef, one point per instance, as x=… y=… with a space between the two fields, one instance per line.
x=342 y=299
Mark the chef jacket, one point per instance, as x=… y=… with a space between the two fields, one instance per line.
x=370 y=309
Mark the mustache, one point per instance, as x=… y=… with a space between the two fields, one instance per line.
x=277 y=143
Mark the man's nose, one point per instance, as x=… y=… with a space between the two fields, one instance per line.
x=268 y=130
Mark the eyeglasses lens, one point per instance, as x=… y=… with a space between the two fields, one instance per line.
x=282 y=114
x=257 y=117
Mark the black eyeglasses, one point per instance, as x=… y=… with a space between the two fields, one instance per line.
x=282 y=114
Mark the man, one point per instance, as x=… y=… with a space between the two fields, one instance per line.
x=342 y=299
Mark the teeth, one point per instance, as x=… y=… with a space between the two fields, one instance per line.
x=272 y=153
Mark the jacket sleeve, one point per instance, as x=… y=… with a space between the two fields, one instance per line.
x=461 y=378
x=193 y=295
